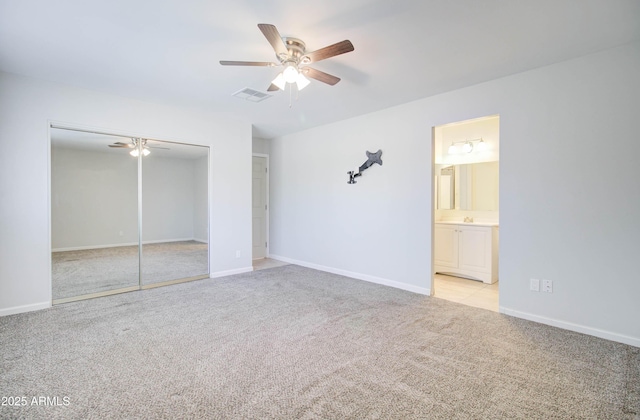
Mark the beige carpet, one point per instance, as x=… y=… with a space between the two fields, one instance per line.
x=291 y=343
x=76 y=273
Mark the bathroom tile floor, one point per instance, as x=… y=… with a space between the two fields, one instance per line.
x=264 y=263
x=467 y=292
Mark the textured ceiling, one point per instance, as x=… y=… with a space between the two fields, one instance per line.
x=168 y=51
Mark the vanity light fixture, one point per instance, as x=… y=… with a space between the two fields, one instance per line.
x=467 y=146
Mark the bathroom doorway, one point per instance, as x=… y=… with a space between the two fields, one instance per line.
x=466 y=212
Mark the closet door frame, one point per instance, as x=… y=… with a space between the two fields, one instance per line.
x=51 y=124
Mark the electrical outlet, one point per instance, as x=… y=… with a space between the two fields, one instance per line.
x=534 y=285
x=238 y=254
x=547 y=286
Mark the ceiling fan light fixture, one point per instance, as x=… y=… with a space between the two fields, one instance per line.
x=135 y=152
x=279 y=81
x=290 y=73
x=301 y=81
x=292 y=53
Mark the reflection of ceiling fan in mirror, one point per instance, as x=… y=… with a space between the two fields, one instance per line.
x=134 y=146
x=291 y=53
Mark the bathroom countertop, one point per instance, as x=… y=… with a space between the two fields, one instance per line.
x=449 y=222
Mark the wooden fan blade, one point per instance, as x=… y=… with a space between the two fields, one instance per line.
x=247 y=63
x=156 y=147
x=273 y=36
x=272 y=87
x=327 y=52
x=320 y=76
x=122 y=145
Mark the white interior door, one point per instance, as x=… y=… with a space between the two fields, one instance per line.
x=259 y=200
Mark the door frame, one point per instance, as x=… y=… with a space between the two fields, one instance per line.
x=434 y=199
x=432 y=211
x=266 y=200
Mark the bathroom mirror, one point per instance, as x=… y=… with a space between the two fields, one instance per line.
x=471 y=186
x=446 y=188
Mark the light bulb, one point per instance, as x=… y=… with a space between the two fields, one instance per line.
x=481 y=146
x=467 y=147
x=452 y=149
x=145 y=152
x=290 y=73
x=135 y=152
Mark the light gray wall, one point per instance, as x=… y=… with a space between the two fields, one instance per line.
x=26 y=107
x=168 y=198
x=561 y=217
x=260 y=146
x=94 y=197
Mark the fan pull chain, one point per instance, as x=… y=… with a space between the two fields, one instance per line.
x=290 y=89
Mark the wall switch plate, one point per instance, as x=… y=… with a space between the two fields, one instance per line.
x=547 y=286
x=238 y=254
x=534 y=285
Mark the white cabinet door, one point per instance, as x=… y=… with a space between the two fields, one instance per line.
x=475 y=248
x=445 y=239
x=466 y=251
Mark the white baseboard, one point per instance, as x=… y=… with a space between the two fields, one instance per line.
x=230 y=272
x=607 y=335
x=159 y=241
x=84 y=248
x=354 y=275
x=25 y=308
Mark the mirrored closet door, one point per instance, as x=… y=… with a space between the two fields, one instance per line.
x=126 y=213
x=174 y=213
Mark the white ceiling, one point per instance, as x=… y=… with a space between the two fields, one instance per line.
x=99 y=142
x=168 y=51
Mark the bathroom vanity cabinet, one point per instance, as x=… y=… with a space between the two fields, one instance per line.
x=466 y=250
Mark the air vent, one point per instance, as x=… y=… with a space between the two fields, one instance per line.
x=251 y=95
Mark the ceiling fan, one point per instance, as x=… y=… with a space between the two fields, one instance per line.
x=291 y=53
x=134 y=146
